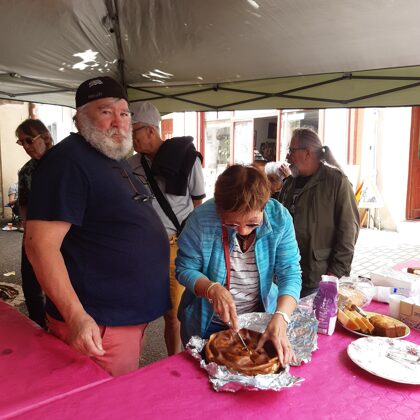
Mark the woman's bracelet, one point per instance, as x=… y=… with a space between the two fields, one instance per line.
x=207 y=291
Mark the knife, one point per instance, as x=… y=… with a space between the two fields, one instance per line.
x=359 y=310
x=243 y=343
x=245 y=347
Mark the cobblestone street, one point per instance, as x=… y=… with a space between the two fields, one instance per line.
x=378 y=249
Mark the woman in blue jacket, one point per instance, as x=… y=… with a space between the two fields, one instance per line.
x=238 y=254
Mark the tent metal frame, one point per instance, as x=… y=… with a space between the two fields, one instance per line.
x=112 y=24
x=257 y=95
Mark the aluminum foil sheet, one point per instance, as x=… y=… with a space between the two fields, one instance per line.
x=302 y=333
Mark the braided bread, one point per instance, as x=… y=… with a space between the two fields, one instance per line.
x=225 y=348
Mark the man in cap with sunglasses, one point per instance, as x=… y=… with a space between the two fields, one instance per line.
x=93 y=237
x=172 y=171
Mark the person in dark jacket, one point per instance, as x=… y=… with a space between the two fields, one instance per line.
x=321 y=201
x=36 y=140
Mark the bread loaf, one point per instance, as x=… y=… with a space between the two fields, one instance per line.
x=387 y=327
x=225 y=348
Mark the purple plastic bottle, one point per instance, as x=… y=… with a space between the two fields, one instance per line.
x=325 y=304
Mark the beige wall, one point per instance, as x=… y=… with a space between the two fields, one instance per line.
x=12 y=156
x=394 y=125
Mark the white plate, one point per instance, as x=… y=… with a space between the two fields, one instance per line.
x=9 y=228
x=407 y=329
x=370 y=353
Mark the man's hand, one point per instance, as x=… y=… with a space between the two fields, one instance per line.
x=43 y=242
x=84 y=335
x=284 y=170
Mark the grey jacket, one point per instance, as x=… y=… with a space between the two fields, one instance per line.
x=326 y=222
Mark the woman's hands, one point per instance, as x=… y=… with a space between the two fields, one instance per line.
x=276 y=333
x=223 y=305
x=220 y=298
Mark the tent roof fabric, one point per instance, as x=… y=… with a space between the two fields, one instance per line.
x=215 y=55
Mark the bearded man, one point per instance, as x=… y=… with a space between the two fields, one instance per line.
x=97 y=246
x=321 y=201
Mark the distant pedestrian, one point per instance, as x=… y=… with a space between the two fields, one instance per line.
x=13 y=194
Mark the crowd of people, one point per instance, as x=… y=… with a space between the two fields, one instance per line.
x=113 y=242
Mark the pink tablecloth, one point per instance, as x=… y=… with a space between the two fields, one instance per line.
x=176 y=388
x=406 y=264
x=36 y=367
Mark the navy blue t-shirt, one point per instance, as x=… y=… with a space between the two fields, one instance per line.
x=116 y=251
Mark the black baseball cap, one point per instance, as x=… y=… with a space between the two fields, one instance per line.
x=98 y=88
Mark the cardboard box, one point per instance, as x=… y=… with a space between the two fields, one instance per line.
x=406 y=284
x=410 y=312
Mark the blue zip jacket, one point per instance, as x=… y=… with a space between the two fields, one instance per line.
x=201 y=253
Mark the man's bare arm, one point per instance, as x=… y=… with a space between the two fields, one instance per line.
x=42 y=244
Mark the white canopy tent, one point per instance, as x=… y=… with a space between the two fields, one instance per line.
x=215 y=54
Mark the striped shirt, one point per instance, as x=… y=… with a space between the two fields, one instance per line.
x=244 y=285
x=244 y=280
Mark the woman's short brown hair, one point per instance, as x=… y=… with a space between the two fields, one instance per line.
x=241 y=188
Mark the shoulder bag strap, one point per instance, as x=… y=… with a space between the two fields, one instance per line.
x=160 y=197
x=225 y=239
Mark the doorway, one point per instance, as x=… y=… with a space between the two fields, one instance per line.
x=413 y=189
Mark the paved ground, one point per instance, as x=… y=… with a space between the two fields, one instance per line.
x=375 y=249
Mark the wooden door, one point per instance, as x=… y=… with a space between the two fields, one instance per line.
x=413 y=190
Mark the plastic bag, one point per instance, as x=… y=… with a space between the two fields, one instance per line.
x=355 y=290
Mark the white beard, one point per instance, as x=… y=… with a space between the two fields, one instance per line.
x=294 y=171
x=103 y=141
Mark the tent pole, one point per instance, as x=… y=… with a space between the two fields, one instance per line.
x=112 y=7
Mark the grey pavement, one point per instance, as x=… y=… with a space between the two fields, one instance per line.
x=374 y=249
x=383 y=249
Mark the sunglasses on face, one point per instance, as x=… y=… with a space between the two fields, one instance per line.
x=27 y=141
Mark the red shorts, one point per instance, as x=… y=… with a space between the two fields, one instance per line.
x=122 y=345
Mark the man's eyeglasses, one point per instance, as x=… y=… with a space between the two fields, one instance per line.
x=137 y=195
x=294 y=149
x=27 y=141
x=235 y=226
